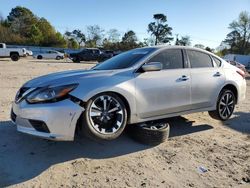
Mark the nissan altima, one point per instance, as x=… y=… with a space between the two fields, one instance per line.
x=139 y=85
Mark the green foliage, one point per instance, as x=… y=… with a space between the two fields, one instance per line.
x=76 y=37
x=184 y=41
x=160 y=29
x=129 y=41
x=201 y=46
x=23 y=27
x=20 y=21
x=238 y=39
x=95 y=36
x=7 y=36
x=113 y=35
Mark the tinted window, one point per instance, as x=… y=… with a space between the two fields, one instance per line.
x=170 y=59
x=124 y=60
x=1 y=45
x=217 y=61
x=199 y=59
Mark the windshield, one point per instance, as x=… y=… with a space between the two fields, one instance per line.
x=124 y=60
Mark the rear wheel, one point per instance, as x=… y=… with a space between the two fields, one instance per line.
x=105 y=117
x=225 y=106
x=14 y=56
x=58 y=57
x=39 y=57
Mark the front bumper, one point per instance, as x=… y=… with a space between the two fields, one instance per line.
x=59 y=118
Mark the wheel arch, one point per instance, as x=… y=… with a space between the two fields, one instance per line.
x=232 y=88
x=124 y=100
x=14 y=52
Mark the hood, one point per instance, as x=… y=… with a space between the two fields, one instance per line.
x=66 y=77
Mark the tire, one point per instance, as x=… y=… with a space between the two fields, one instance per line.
x=149 y=133
x=223 y=112
x=98 y=123
x=58 y=57
x=76 y=60
x=14 y=57
x=39 y=57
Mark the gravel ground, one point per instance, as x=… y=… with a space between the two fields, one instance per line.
x=196 y=140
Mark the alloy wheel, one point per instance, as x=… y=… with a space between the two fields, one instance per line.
x=226 y=105
x=106 y=114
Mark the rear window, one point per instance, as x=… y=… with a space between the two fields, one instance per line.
x=199 y=59
x=217 y=61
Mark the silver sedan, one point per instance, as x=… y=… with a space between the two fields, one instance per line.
x=136 y=86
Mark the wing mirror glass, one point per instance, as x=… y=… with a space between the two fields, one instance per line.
x=152 y=66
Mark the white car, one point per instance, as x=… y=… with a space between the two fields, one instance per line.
x=50 y=54
x=29 y=53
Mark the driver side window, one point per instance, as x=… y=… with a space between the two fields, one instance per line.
x=170 y=59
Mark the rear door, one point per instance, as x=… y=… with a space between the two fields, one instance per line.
x=166 y=91
x=207 y=78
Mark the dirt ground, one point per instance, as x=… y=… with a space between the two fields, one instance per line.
x=196 y=140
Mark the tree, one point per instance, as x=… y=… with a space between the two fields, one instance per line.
x=160 y=29
x=94 y=36
x=71 y=43
x=36 y=35
x=239 y=37
x=113 y=35
x=209 y=49
x=20 y=20
x=129 y=41
x=184 y=41
x=50 y=37
x=77 y=35
x=201 y=46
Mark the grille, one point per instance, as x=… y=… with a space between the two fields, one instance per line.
x=39 y=126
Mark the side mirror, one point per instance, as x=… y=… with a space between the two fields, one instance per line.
x=152 y=66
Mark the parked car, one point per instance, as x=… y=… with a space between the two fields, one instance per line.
x=237 y=64
x=29 y=53
x=50 y=54
x=89 y=54
x=139 y=85
x=13 y=53
x=248 y=67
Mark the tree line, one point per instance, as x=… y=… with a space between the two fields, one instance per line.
x=23 y=27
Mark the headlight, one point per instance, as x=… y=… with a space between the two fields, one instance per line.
x=50 y=94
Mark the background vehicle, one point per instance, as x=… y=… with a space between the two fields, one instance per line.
x=89 y=54
x=29 y=53
x=139 y=85
x=248 y=68
x=50 y=54
x=13 y=53
x=237 y=64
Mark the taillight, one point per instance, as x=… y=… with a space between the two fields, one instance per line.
x=242 y=73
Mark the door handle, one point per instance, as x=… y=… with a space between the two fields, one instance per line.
x=184 y=78
x=217 y=74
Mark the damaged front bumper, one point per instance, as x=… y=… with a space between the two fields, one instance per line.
x=54 y=121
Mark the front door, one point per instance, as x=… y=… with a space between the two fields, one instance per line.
x=166 y=91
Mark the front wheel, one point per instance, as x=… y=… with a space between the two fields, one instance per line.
x=225 y=106
x=14 y=57
x=105 y=117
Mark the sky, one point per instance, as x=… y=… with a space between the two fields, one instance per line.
x=205 y=21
